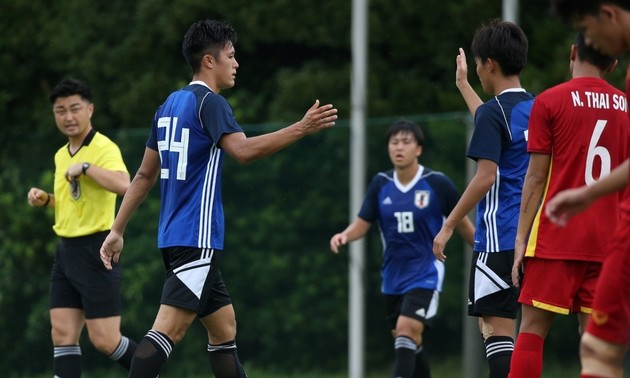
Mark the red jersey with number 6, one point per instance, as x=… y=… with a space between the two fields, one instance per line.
x=583 y=124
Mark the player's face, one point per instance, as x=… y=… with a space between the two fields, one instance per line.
x=226 y=66
x=604 y=31
x=73 y=115
x=403 y=150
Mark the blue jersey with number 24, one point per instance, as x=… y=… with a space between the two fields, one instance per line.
x=186 y=131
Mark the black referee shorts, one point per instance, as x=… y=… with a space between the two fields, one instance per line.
x=78 y=278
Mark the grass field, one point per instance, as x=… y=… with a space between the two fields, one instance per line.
x=439 y=369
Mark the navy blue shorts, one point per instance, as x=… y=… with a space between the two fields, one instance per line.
x=78 y=278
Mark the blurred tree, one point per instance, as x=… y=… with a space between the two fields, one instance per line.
x=289 y=290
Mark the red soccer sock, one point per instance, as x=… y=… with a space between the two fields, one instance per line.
x=527 y=359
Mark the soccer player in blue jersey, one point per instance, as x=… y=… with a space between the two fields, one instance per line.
x=410 y=203
x=499 y=146
x=190 y=133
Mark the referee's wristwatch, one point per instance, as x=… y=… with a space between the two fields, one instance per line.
x=85 y=167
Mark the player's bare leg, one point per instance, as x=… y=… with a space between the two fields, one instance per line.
x=105 y=335
x=66 y=326
x=498 y=336
x=600 y=358
x=169 y=328
x=221 y=327
x=410 y=359
x=527 y=360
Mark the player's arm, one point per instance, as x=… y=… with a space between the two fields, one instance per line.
x=40 y=198
x=246 y=149
x=354 y=231
x=572 y=201
x=473 y=101
x=466 y=230
x=531 y=197
x=481 y=182
x=140 y=187
x=113 y=181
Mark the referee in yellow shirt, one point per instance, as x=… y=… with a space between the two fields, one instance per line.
x=89 y=173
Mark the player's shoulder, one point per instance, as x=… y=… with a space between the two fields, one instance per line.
x=62 y=150
x=384 y=176
x=428 y=172
x=102 y=140
x=204 y=93
x=436 y=177
x=509 y=99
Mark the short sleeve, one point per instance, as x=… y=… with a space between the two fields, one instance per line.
x=218 y=118
x=486 y=141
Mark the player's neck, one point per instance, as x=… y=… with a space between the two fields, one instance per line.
x=75 y=142
x=582 y=69
x=406 y=174
x=208 y=80
x=507 y=82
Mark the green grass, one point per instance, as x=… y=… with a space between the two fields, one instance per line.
x=450 y=368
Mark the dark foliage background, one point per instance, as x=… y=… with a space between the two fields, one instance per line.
x=290 y=292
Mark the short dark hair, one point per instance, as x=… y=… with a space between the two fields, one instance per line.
x=405 y=126
x=503 y=42
x=70 y=87
x=590 y=55
x=572 y=10
x=206 y=37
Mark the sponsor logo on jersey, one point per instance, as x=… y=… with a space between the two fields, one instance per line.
x=75 y=188
x=599 y=317
x=421 y=198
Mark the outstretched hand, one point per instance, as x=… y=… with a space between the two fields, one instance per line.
x=318 y=118
x=566 y=204
x=111 y=249
x=461 y=72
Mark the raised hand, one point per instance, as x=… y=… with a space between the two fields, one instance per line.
x=318 y=118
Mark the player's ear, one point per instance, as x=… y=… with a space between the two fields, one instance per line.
x=207 y=60
x=493 y=66
x=610 y=12
x=573 y=53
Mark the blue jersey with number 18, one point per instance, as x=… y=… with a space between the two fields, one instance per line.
x=409 y=217
x=186 y=131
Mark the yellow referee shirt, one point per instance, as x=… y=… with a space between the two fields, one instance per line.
x=92 y=208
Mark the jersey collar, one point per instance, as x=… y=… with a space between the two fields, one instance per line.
x=406 y=188
x=199 y=82
x=512 y=90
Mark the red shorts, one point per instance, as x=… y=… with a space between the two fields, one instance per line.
x=610 y=319
x=560 y=286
